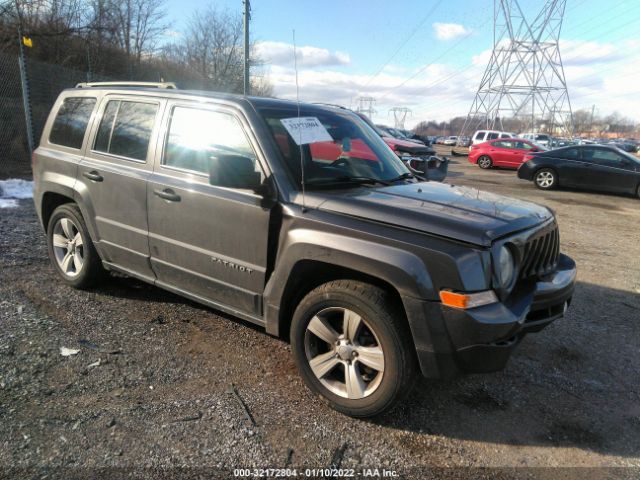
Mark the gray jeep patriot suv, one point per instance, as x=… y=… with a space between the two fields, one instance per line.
x=298 y=218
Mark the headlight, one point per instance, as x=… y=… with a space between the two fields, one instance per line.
x=505 y=267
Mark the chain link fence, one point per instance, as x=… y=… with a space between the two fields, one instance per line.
x=43 y=82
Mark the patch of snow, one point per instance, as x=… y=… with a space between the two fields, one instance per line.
x=16 y=188
x=8 y=203
x=13 y=190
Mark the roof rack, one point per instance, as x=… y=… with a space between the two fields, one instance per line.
x=331 y=105
x=168 y=85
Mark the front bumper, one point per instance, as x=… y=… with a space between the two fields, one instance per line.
x=451 y=341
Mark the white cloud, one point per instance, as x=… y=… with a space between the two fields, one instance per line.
x=442 y=91
x=579 y=52
x=280 y=53
x=448 y=31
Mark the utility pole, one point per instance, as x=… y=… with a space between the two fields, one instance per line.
x=399 y=116
x=365 y=105
x=524 y=77
x=593 y=108
x=247 y=17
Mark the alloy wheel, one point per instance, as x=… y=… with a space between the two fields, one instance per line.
x=484 y=162
x=68 y=247
x=344 y=353
x=545 y=179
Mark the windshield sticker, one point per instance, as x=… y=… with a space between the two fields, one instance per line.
x=306 y=130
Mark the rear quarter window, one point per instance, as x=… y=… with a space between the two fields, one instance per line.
x=71 y=121
x=571 y=154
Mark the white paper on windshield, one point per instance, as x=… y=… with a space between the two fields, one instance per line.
x=305 y=130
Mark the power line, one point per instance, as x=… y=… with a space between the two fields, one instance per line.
x=427 y=65
x=401 y=46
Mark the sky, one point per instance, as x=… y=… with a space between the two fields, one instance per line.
x=428 y=55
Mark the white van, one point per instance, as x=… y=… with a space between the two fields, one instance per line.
x=539 y=138
x=485 y=135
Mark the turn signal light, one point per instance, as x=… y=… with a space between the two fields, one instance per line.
x=467 y=300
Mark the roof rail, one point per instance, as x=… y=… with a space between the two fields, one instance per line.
x=330 y=105
x=168 y=85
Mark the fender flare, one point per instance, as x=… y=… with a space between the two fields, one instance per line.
x=401 y=269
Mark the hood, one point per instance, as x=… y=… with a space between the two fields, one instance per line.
x=407 y=146
x=462 y=213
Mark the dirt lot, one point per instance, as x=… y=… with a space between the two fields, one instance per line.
x=153 y=385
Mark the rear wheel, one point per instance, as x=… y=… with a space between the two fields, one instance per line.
x=353 y=347
x=546 y=179
x=485 y=162
x=71 y=250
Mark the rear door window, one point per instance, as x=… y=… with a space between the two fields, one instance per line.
x=125 y=129
x=71 y=121
x=492 y=136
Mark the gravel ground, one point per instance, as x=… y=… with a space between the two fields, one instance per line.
x=164 y=387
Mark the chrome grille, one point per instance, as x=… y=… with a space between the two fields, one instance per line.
x=540 y=253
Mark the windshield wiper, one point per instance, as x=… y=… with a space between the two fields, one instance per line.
x=346 y=179
x=404 y=176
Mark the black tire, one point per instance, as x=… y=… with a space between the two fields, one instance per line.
x=638 y=191
x=91 y=271
x=545 y=179
x=390 y=333
x=485 y=162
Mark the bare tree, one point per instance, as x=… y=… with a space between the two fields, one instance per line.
x=211 y=51
x=582 y=121
x=212 y=48
x=135 y=26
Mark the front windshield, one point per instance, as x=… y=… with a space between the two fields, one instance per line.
x=398 y=133
x=353 y=155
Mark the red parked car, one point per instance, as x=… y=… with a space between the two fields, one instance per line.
x=503 y=152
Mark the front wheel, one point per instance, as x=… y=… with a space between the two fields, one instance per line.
x=353 y=347
x=485 y=162
x=546 y=179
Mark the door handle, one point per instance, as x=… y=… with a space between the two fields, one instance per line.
x=167 y=194
x=93 y=175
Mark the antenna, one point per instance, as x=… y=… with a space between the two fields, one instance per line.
x=295 y=66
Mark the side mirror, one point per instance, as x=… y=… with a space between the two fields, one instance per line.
x=534 y=149
x=234 y=171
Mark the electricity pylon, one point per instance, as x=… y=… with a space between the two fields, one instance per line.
x=365 y=105
x=399 y=116
x=524 y=78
